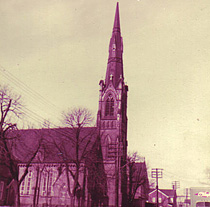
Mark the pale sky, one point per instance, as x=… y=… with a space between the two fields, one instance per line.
x=59 y=49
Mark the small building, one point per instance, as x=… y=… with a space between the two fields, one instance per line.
x=166 y=197
x=200 y=197
x=138 y=184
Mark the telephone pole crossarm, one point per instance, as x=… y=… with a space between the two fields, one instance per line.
x=157 y=173
x=175 y=185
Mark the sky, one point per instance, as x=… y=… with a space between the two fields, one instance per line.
x=54 y=53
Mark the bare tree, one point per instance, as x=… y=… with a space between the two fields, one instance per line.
x=11 y=110
x=80 y=138
x=77 y=118
x=97 y=187
x=137 y=177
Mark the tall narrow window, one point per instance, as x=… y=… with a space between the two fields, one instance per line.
x=109 y=109
x=22 y=187
x=1 y=189
x=44 y=186
x=160 y=200
x=28 y=186
x=50 y=183
x=29 y=183
x=107 y=142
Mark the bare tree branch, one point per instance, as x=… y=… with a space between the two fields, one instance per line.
x=137 y=175
x=77 y=119
x=11 y=108
x=28 y=163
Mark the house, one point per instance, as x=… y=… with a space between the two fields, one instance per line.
x=166 y=197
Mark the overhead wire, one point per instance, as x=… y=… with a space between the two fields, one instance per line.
x=22 y=85
x=32 y=94
x=39 y=118
x=170 y=174
x=36 y=97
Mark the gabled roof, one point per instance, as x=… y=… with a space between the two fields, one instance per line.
x=140 y=168
x=56 y=144
x=166 y=192
x=139 y=179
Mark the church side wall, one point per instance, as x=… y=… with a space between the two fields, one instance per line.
x=52 y=187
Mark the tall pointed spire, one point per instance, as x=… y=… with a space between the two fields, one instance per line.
x=114 y=71
x=116 y=27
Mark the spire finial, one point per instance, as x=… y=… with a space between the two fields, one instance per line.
x=116 y=26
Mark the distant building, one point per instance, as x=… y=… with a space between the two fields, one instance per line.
x=182 y=201
x=199 y=197
x=165 y=197
x=138 y=184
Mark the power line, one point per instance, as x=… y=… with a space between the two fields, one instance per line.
x=24 y=86
x=173 y=175
x=36 y=117
x=33 y=94
x=28 y=91
x=40 y=120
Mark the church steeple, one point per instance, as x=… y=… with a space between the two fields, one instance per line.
x=114 y=71
x=112 y=119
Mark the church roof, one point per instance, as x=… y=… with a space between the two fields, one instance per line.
x=166 y=192
x=54 y=144
x=140 y=169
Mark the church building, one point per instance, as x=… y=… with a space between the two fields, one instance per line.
x=82 y=166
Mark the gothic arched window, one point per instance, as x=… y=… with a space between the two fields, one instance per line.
x=109 y=108
x=107 y=142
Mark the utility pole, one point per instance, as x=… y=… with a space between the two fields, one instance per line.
x=117 y=176
x=175 y=185
x=186 y=200
x=115 y=152
x=157 y=173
